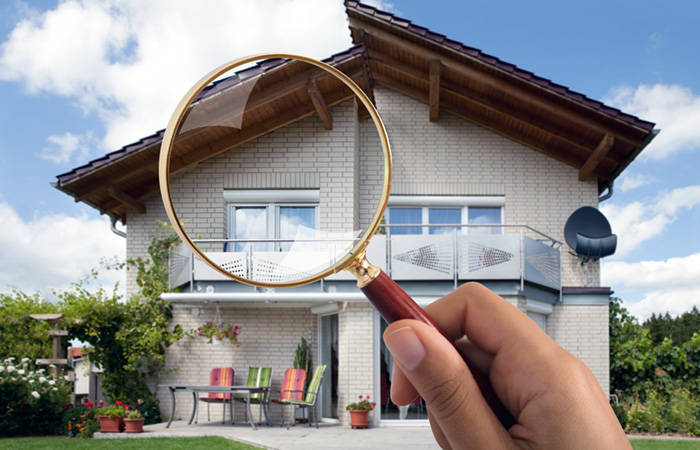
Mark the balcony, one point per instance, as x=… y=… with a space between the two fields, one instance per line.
x=462 y=253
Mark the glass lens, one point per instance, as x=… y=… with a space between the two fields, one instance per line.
x=277 y=169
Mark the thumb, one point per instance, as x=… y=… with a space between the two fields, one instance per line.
x=438 y=373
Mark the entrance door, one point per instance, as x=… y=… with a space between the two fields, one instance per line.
x=328 y=355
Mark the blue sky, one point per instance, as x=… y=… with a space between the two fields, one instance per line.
x=81 y=78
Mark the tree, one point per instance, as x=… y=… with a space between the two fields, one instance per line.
x=680 y=328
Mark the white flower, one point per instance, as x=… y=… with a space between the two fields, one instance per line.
x=31 y=381
x=2 y=369
x=24 y=360
x=55 y=389
x=20 y=372
x=52 y=382
x=35 y=394
x=52 y=366
x=42 y=379
x=66 y=377
x=10 y=369
x=9 y=360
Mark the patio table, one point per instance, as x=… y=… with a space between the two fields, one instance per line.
x=234 y=390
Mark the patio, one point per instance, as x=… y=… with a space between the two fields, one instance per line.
x=299 y=437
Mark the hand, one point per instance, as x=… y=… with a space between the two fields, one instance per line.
x=554 y=397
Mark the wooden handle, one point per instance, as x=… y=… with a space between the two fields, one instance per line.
x=393 y=304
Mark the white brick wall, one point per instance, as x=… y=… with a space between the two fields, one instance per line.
x=356 y=359
x=583 y=331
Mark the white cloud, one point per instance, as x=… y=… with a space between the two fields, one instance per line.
x=675 y=109
x=65 y=146
x=129 y=62
x=51 y=251
x=640 y=221
x=631 y=182
x=669 y=286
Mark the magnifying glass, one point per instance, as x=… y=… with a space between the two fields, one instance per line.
x=275 y=170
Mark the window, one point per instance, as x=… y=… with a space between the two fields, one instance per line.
x=485 y=216
x=296 y=218
x=447 y=211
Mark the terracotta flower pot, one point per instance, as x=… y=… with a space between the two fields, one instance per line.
x=134 y=425
x=111 y=424
x=359 y=418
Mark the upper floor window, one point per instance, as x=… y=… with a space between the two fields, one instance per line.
x=444 y=211
x=272 y=225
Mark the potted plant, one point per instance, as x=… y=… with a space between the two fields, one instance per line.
x=133 y=422
x=302 y=360
x=359 y=412
x=111 y=417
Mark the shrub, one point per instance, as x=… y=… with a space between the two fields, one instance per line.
x=677 y=411
x=150 y=410
x=31 y=403
x=83 y=421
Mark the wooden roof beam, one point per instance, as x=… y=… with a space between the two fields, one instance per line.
x=434 y=97
x=126 y=199
x=147 y=165
x=479 y=75
x=528 y=141
x=596 y=157
x=420 y=95
x=320 y=104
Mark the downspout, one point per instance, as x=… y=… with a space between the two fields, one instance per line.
x=113 y=226
x=609 y=193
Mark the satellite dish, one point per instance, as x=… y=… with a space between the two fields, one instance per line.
x=588 y=233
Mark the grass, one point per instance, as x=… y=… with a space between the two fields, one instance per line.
x=657 y=444
x=59 y=443
x=219 y=443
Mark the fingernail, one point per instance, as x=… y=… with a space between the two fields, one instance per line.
x=406 y=347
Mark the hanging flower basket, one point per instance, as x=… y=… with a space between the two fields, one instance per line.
x=217 y=333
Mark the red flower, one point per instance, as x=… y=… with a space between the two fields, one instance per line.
x=100 y=403
x=119 y=402
x=373 y=404
x=88 y=404
x=360 y=397
x=127 y=406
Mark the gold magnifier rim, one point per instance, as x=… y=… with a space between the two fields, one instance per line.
x=176 y=121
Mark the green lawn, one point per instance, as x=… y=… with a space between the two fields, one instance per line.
x=655 y=444
x=57 y=443
x=219 y=443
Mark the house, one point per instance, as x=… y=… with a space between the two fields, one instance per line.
x=87 y=378
x=477 y=142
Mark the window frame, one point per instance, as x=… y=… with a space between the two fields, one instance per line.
x=426 y=203
x=272 y=201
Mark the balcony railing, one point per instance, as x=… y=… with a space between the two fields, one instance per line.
x=462 y=253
